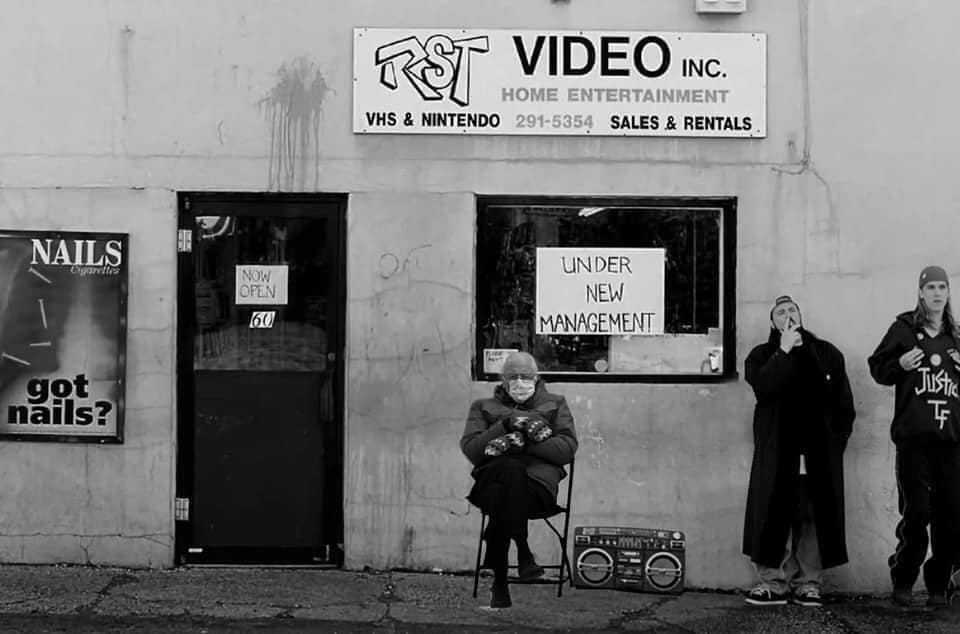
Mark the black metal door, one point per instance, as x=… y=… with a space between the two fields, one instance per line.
x=260 y=372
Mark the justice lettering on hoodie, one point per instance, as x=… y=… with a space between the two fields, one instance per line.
x=937 y=384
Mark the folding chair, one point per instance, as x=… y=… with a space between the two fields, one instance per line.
x=564 y=564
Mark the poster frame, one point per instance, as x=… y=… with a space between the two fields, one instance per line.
x=117 y=437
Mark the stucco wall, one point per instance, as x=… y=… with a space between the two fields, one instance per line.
x=91 y=503
x=842 y=203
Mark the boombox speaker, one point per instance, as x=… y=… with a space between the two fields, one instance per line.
x=634 y=559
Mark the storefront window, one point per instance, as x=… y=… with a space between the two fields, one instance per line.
x=628 y=289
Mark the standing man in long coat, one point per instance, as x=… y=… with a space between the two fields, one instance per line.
x=794 y=524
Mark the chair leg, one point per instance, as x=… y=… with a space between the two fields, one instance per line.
x=476 y=568
x=564 y=564
x=564 y=560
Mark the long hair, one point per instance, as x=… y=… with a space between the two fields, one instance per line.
x=921 y=317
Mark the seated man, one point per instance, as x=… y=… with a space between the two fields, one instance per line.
x=518 y=442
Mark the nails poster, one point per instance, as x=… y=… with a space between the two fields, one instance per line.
x=63 y=327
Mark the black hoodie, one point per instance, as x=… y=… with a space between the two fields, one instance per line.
x=926 y=403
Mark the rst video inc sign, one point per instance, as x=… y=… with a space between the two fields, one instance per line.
x=478 y=81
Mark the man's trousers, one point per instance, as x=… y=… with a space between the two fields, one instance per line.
x=504 y=492
x=928 y=482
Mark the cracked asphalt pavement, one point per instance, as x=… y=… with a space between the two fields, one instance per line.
x=206 y=600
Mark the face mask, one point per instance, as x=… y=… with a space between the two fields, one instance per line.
x=520 y=389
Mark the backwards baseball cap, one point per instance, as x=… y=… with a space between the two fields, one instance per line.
x=933 y=274
x=783 y=299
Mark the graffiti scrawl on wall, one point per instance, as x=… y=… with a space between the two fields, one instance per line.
x=292 y=109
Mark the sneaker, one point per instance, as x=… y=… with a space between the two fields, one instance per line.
x=528 y=569
x=902 y=597
x=808 y=596
x=764 y=595
x=500 y=595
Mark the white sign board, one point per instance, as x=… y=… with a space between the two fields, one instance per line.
x=600 y=291
x=545 y=82
x=261 y=284
x=493 y=359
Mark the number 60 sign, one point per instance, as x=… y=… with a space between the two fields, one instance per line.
x=262 y=318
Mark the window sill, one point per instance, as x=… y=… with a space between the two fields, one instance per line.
x=585 y=377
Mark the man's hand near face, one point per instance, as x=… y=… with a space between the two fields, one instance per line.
x=790 y=336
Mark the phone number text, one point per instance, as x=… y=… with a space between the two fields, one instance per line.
x=554 y=122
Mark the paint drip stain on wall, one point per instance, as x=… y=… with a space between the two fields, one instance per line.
x=292 y=109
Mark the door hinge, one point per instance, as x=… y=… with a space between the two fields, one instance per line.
x=184 y=240
x=181 y=509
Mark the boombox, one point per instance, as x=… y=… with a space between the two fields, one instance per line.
x=635 y=559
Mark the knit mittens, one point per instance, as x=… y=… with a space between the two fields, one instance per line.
x=534 y=426
x=503 y=444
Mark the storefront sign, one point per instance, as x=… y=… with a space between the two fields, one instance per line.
x=63 y=316
x=498 y=81
x=600 y=291
x=261 y=284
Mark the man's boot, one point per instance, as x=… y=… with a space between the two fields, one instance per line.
x=497 y=557
x=500 y=593
x=527 y=567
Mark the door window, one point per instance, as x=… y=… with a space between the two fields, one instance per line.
x=261 y=293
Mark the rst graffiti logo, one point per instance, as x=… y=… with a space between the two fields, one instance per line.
x=432 y=66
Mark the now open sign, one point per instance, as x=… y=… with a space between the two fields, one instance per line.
x=261 y=284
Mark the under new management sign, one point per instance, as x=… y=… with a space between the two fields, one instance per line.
x=495 y=81
x=600 y=291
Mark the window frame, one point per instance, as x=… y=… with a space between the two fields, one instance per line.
x=728 y=300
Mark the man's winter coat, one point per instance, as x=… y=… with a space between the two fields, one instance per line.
x=545 y=459
x=804 y=405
